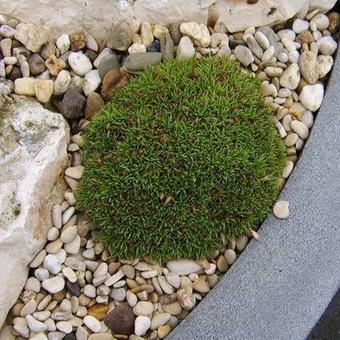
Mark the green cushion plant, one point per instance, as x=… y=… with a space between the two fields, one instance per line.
x=184 y=152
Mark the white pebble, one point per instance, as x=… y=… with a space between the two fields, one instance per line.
x=142 y=324
x=281 y=209
x=92 y=323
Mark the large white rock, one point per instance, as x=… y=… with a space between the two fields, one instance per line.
x=33 y=155
x=239 y=15
x=74 y=15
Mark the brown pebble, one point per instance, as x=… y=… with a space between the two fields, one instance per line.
x=78 y=41
x=94 y=103
x=334 y=22
x=305 y=38
x=110 y=80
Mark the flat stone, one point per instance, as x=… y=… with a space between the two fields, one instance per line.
x=281 y=209
x=52 y=264
x=54 y=285
x=63 y=43
x=143 y=308
x=35 y=325
x=183 y=267
x=159 y=320
x=91 y=82
x=101 y=336
x=24 y=86
x=121 y=38
x=290 y=78
x=61 y=83
x=142 y=324
x=325 y=65
x=139 y=61
x=327 y=45
x=92 y=323
x=110 y=80
x=198 y=33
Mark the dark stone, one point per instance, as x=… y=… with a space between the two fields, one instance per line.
x=94 y=103
x=121 y=320
x=71 y=106
x=48 y=50
x=15 y=73
x=121 y=38
x=36 y=64
x=70 y=336
x=73 y=288
x=154 y=47
x=108 y=63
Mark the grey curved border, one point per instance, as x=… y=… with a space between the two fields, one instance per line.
x=280 y=286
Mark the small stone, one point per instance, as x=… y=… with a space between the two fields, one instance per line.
x=54 y=285
x=6 y=87
x=61 y=83
x=48 y=50
x=230 y=256
x=173 y=279
x=142 y=324
x=241 y=242
x=43 y=90
x=54 y=65
x=137 y=48
x=78 y=41
x=159 y=320
x=53 y=234
x=73 y=288
x=198 y=33
x=36 y=64
x=94 y=103
x=33 y=284
x=311 y=96
x=254 y=46
x=262 y=40
x=79 y=63
x=334 y=22
x=244 y=55
x=327 y=45
x=300 y=26
x=185 y=49
x=92 y=323
x=100 y=336
x=71 y=106
x=35 y=325
x=121 y=38
x=7 y=31
x=70 y=274
x=321 y=21
x=163 y=331
x=89 y=291
x=172 y=308
x=167 y=46
x=168 y=289
x=75 y=172
x=290 y=78
x=183 y=267
x=300 y=128
x=73 y=247
x=69 y=234
x=52 y=264
x=91 y=43
x=41 y=274
x=98 y=311
x=121 y=320
x=24 y=86
x=38 y=260
x=143 y=308
x=5 y=47
x=91 y=82
x=186 y=299
x=201 y=286
x=325 y=65
x=222 y=264
x=64 y=326
x=146 y=34
x=155 y=46
x=287 y=170
x=139 y=61
x=281 y=209
x=29 y=308
x=309 y=67
x=110 y=81
x=305 y=38
x=107 y=64
x=21 y=330
x=63 y=43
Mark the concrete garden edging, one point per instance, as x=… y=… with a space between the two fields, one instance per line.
x=280 y=285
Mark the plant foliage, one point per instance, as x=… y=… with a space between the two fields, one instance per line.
x=183 y=152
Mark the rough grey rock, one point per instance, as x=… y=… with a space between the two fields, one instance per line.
x=33 y=155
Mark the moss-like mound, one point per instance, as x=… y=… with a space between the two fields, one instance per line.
x=185 y=151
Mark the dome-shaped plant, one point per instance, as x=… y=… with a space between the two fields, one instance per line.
x=183 y=152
